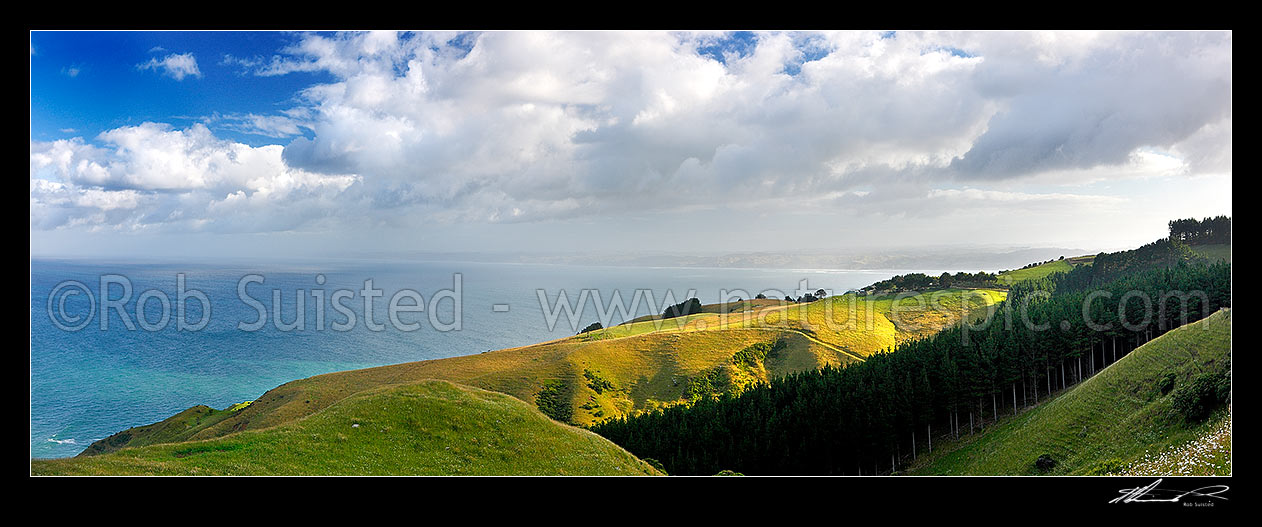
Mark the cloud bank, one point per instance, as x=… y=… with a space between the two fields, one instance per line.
x=529 y=126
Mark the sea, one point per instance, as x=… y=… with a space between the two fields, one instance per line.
x=222 y=332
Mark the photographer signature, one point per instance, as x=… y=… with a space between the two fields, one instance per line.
x=1151 y=493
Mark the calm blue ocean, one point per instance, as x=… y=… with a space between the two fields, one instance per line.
x=89 y=383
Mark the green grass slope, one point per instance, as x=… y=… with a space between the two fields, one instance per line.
x=743 y=305
x=1042 y=271
x=1216 y=251
x=175 y=428
x=620 y=370
x=852 y=325
x=1208 y=454
x=641 y=371
x=424 y=428
x=1113 y=422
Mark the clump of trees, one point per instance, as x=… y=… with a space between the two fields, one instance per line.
x=591 y=327
x=753 y=355
x=596 y=382
x=710 y=383
x=1206 y=231
x=687 y=307
x=808 y=297
x=1108 y=266
x=554 y=400
x=1036 y=264
x=923 y=282
x=1205 y=393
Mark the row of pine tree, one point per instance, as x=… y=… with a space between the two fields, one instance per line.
x=876 y=416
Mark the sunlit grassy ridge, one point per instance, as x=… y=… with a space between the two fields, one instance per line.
x=647 y=366
x=619 y=370
x=424 y=428
x=1042 y=271
x=646 y=371
x=722 y=308
x=852 y=324
x=1109 y=422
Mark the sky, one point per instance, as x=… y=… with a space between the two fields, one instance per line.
x=196 y=144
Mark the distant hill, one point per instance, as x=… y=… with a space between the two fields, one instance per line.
x=1118 y=421
x=423 y=428
x=963 y=258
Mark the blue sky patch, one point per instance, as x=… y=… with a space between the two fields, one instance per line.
x=955 y=52
x=810 y=48
x=739 y=43
x=84 y=83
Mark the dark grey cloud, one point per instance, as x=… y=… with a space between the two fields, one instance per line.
x=1145 y=90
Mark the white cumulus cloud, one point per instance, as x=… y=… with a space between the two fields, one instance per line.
x=155 y=176
x=176 y=66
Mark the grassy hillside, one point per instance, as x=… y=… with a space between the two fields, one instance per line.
x=852 y=325
x=619 y=370
x=743 y=305
x=425 y=428
x=1041 y=271
x=1208 y=454
x=171 y=429
x=1120 y=420
x=638 y=372
x=642 y=370
x=1218 y=251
